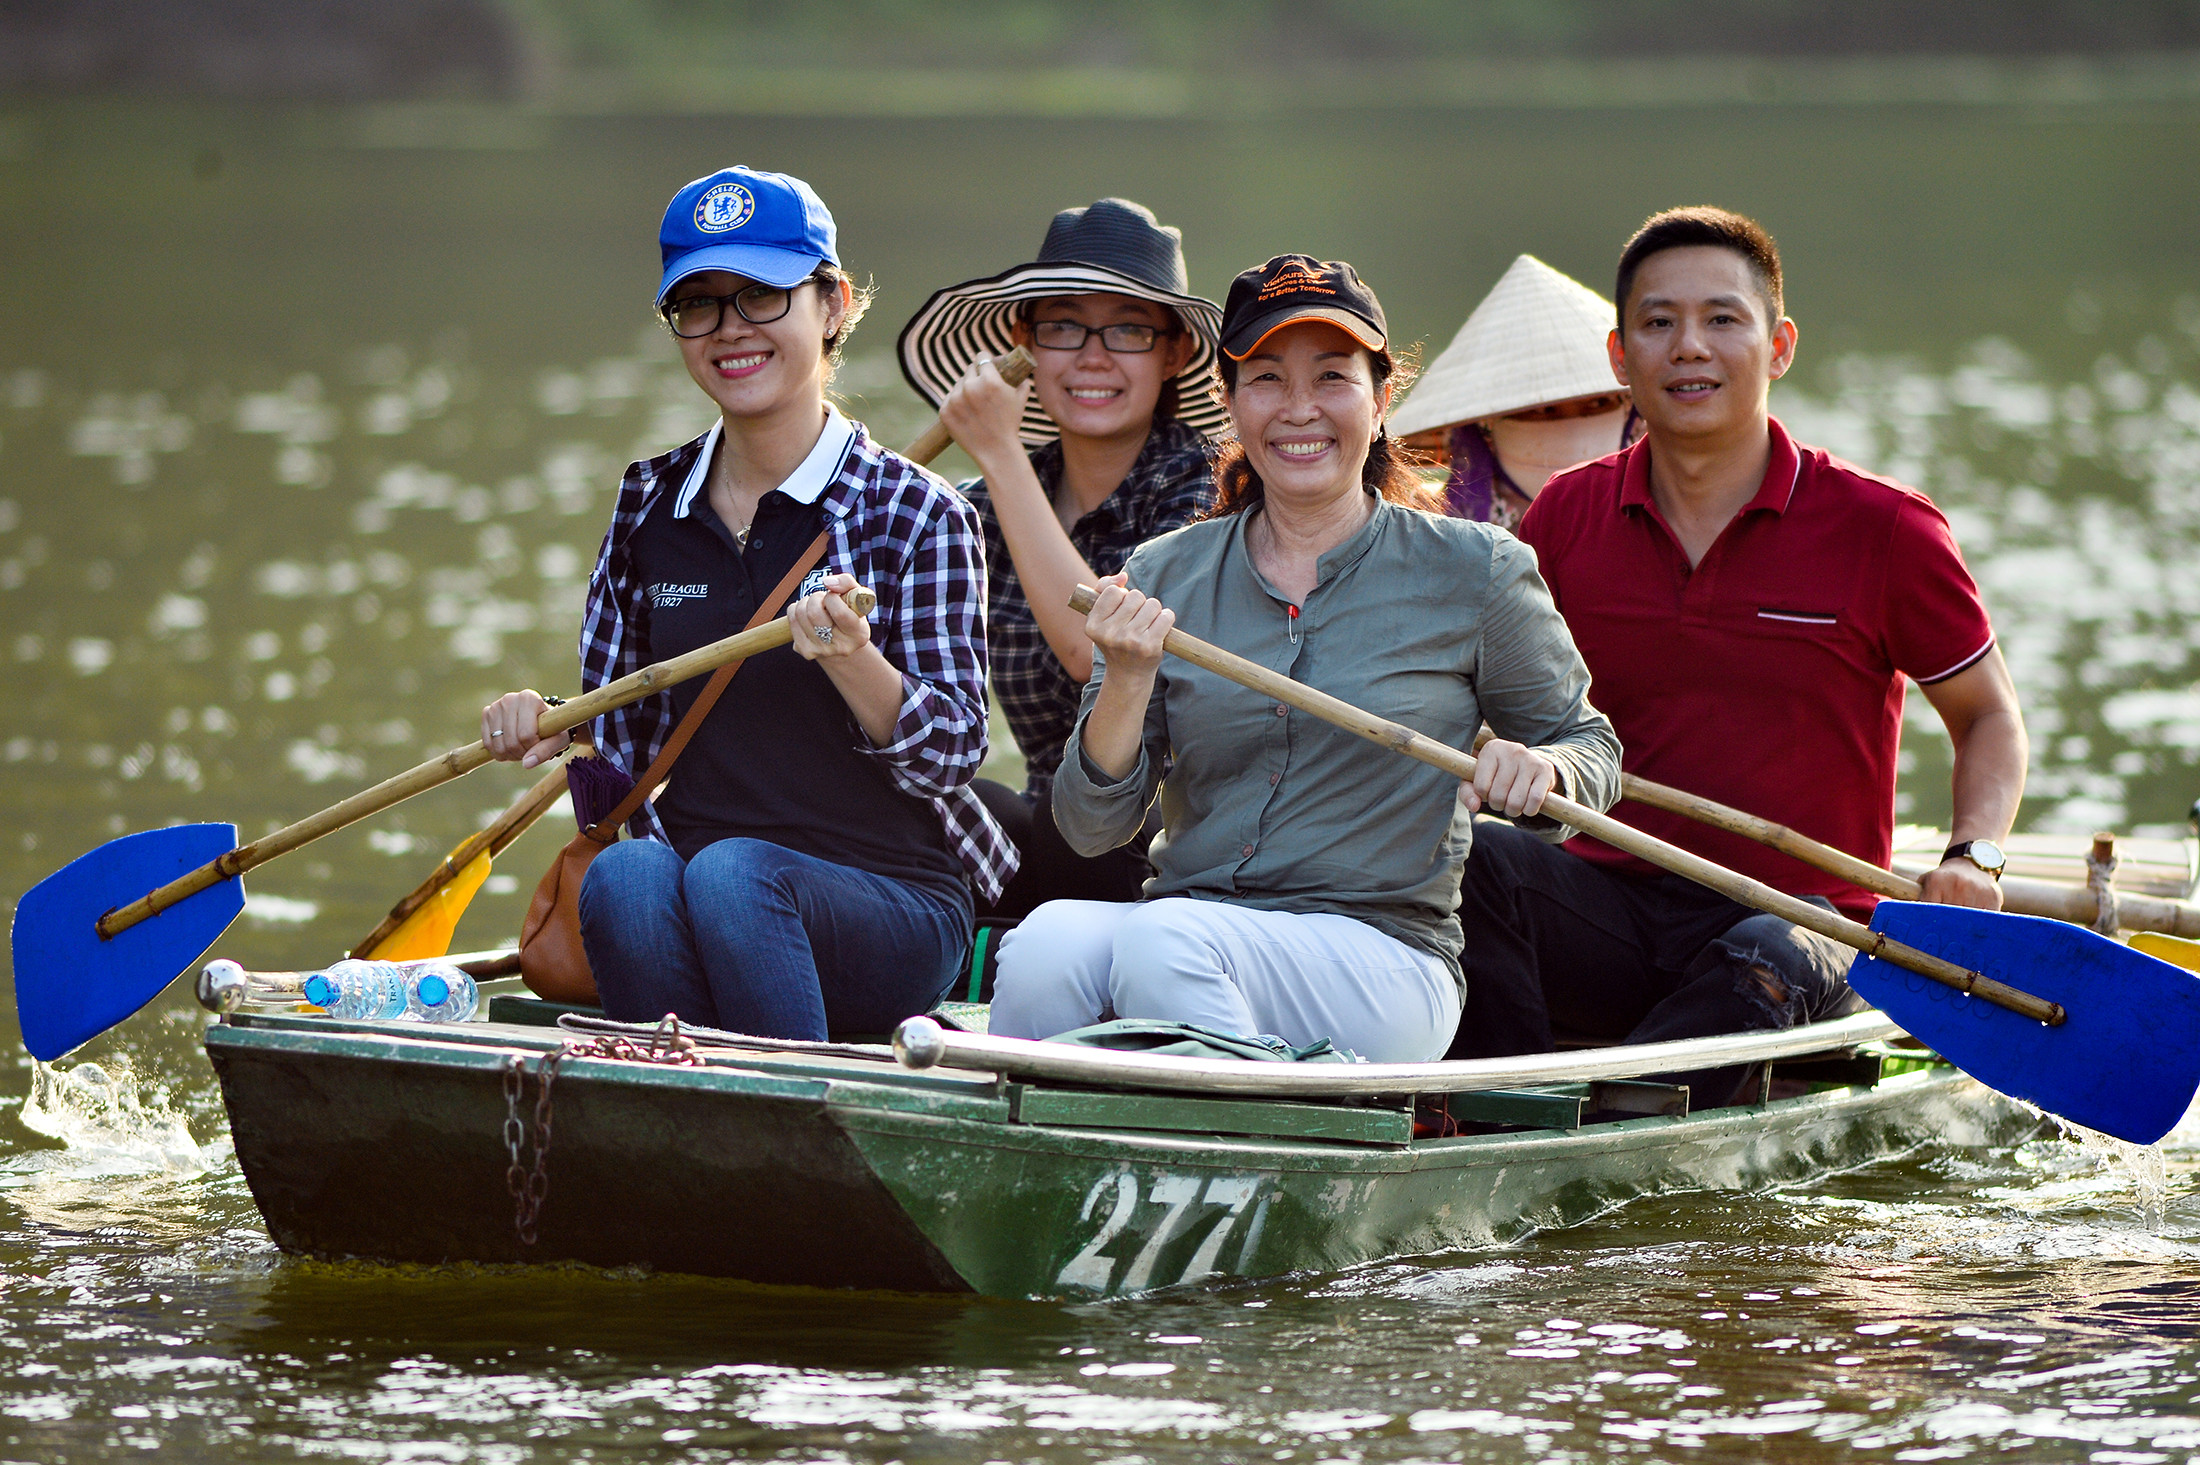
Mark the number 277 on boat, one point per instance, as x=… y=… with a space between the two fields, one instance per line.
x=1141 y=1227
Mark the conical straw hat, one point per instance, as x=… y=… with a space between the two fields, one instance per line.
x=1537 y=338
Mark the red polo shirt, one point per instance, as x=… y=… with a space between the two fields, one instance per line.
x=1769 y=677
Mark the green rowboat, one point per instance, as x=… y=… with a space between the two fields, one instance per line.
x=1042 y=1171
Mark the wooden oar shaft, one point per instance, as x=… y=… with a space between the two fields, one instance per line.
x=492 y=841
x=2023 y=896
x=1861 y=873
x=1620 y=836
x=1015 y=369
x=457 y=763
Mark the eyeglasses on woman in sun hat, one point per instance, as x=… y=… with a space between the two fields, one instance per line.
x=1113 y=247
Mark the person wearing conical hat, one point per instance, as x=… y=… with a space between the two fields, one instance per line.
x=1523 y=392
x=1105 y=448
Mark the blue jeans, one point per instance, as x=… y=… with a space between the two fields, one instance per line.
x=755 y=938
x=1556 y=946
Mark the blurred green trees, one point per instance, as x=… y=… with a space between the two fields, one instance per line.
x=1219 y=34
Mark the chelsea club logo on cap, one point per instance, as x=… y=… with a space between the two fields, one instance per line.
x=724 y=208
x=766 y=227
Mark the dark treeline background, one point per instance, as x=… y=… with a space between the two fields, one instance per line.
x=549 y=49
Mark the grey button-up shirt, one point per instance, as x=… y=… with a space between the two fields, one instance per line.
x=1440 y=624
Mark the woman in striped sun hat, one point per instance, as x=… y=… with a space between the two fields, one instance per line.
x=1106 y=447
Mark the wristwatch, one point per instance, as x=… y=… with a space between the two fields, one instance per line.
x=1983 y=853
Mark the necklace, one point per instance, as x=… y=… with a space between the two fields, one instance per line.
x=722 y=485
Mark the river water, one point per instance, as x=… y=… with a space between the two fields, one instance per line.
x=309 y=422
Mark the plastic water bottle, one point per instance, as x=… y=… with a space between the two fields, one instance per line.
x=439 y=993
x=373 y=990
x=388 y=991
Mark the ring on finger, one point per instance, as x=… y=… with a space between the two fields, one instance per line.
x=824 y=634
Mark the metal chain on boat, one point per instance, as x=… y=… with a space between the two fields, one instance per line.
x=667 y=1045
x=528 y=1187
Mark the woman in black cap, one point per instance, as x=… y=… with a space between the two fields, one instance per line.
x=1106 y=448
x=1304 y=886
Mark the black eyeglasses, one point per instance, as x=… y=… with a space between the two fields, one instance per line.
x=1069 y=335
x=694 y=316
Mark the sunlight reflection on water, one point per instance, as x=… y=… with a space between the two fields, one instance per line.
x=267 y=583
x=2078 y=506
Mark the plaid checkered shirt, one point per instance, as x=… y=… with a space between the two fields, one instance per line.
x=912 y=539
x=1171 y=484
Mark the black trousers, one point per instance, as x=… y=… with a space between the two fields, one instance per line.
x=1558 y=948
x=1051 y=870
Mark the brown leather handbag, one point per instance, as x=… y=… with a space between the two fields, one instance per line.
x=551 y=959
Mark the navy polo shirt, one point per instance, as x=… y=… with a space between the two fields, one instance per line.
x=777 y=758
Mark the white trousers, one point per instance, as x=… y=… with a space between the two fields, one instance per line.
x=1072 y=963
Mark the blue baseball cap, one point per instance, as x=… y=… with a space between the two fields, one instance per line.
x=765 y=226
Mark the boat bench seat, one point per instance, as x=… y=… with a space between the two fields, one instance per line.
x=1569 y=1106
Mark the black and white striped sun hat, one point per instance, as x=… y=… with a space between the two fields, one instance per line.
x=1113 y=247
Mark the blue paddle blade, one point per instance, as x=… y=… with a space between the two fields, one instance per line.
x=70 y=985
x=2126 y=1061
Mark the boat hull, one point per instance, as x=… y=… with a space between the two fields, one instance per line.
x=360 y=1140
x=357 y=1144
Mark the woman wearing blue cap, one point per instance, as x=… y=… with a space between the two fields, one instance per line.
x=1107 y=448
x=810 y=866
x=1304 y=886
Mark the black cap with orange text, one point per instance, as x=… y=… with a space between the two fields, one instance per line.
x=1296 y=287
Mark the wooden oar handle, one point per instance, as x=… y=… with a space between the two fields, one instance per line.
x=458 y=762
x=1589 y=821
x=656 y=678
x=1015 y=369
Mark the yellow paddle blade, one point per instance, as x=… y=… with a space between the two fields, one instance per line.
x=2173 y=949
x=427 y=932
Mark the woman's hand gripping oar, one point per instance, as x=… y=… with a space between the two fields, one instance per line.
x=87 y=950
x=2129 y=1008
x=1589 y=821
x=422 y=923
x=1015 y=369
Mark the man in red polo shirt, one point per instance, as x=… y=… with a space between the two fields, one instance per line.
x=1749 y=609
